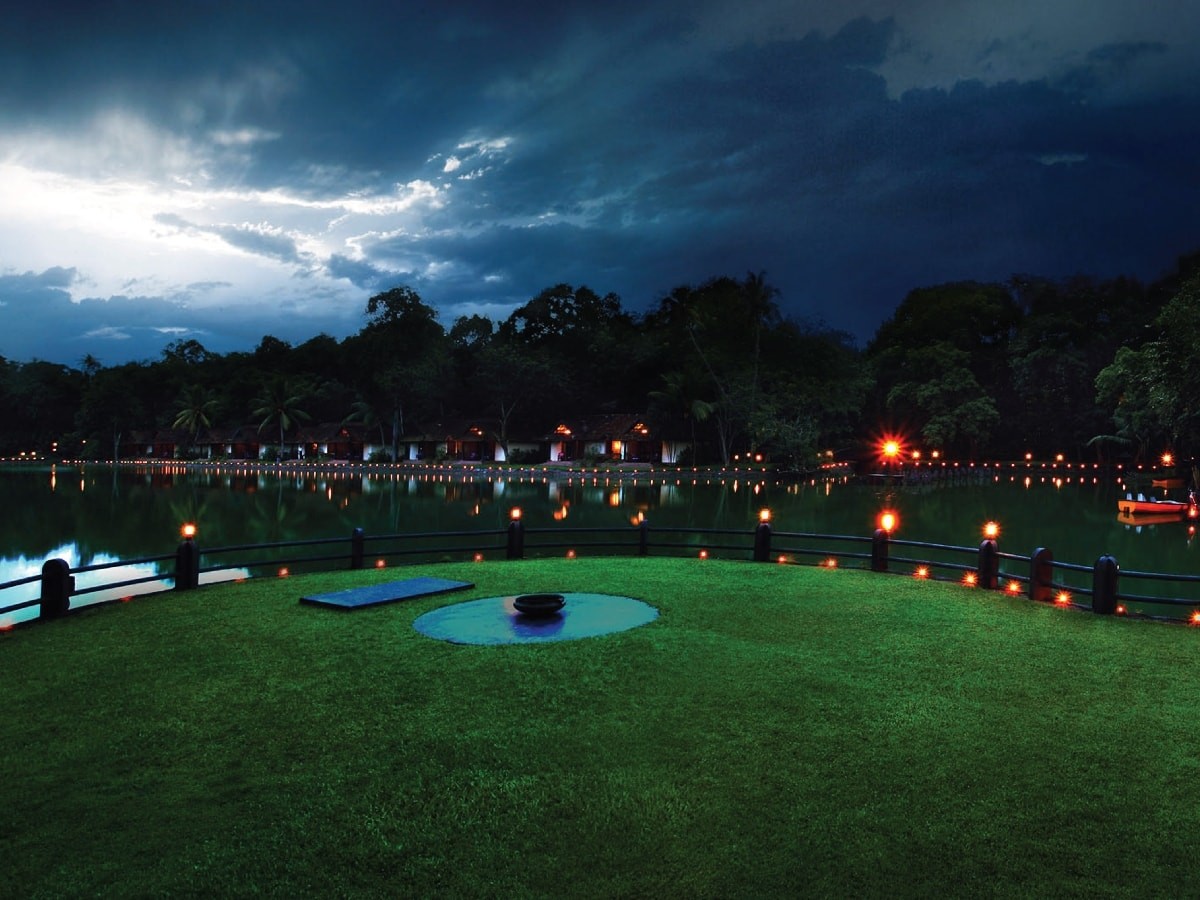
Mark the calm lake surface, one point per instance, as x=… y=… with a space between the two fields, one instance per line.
x=94 y=514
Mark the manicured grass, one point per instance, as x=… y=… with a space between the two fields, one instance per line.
x=777 y=731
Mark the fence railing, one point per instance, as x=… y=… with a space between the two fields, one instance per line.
x=1038 y=576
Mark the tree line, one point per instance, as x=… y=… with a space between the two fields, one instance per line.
x=1089 y=368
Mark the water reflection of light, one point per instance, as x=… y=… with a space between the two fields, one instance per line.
x=14 y=569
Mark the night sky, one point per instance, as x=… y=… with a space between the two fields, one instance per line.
x=221 y=171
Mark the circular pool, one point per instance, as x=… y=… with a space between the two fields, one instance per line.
x=497 y=620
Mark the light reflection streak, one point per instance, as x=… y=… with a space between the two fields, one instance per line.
x=14 y=569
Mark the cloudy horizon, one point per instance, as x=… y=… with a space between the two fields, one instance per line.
x=221 y=173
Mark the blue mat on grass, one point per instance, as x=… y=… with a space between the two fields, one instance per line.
x=373 y=595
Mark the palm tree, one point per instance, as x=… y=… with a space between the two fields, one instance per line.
x=196 y=407
x=280 y=403
x=680 y=395
x=362 y=411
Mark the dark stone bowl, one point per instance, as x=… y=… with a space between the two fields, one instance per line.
x=539 y=604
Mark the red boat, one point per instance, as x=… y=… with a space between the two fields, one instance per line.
x=1139 y=506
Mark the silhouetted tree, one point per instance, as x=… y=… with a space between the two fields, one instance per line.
x=196 y=408
x=281 y=403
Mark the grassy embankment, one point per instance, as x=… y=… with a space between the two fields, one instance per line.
x=778 y=730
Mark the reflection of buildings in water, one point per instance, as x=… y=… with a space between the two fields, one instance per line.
x=243 y=484
x=593 y=495
x=472 y=491
x=643 y=497
x=670 y=495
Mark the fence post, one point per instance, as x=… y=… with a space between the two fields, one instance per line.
x=187 y=565
x=1104 y=586
x=57 y=586
x=643 y=538
x=357 y=545
x=762 y=542
x=1041 y=574
x=879 y=551
x=989 y=564
x=516 y=539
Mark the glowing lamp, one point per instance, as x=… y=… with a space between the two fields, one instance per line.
x=1013 y=587
x=1121 y=609
x=891 y=449
x=704 y=554
x=1062 y=598
x=782 y=560
x=188 y=531
x=1195 y=620
x=478 y=557
x=1168 y=459
x=970 y=579
x=284 y=573
x=991 y=530
x=889 y=521
x=764 y=515
x=922 y=572
x=830 y=563
x=380 y=564
x=515 y=513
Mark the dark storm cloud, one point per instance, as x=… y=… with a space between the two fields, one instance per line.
x=792 y=157
x=481 y=153
x=256 y=239
x=357 y=272
x=38 y=318
x=1108 y=65
x=259 y=241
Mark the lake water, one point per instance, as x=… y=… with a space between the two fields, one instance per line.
x=95 y=514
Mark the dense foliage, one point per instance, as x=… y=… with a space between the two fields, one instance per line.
x=1081 y=367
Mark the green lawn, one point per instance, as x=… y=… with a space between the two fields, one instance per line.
x=779 y=730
